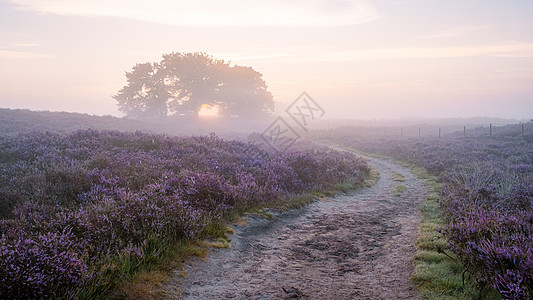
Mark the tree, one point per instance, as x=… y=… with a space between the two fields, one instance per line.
x=182 y=82
x=244 y=93
x=145 y=94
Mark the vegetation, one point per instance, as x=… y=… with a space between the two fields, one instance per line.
x=438 y=272
x=485 y=212
x=16 y=121
x=399 y=189
x=83 y=212
x=182 y=83
x=397 y=176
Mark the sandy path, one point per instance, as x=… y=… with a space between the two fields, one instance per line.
x=354 y=246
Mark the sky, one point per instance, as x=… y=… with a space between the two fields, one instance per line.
x=357 y=59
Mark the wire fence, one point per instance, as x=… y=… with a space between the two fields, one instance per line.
x=510 y=131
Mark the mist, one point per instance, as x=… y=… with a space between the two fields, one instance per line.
x=318 y=149
x=365 y=60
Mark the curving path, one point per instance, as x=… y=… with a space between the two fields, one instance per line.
x=354 y=246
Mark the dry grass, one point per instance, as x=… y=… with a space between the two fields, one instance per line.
x=397 y=176
x=372 y=179
x=146 y=284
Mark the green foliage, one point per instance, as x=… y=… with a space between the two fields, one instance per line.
x=438 y=273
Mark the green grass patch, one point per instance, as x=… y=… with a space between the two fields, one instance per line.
x=260 y=211
x=343 y=187
x=438 y=273
x=399 y=189
x=125 y=278
x=216 y=229
x=397 y=176
x=372 y=178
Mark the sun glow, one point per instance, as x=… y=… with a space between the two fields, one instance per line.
x=208 y=111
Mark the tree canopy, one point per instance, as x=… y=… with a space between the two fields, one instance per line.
x=181 y=83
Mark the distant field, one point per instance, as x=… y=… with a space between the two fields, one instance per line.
x=16 y=121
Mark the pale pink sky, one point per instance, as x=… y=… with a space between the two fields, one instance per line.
x=357 y=59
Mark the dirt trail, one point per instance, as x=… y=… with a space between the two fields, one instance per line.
x=354 y=246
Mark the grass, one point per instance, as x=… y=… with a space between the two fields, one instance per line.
x=221 y=243
x=399 y=189
x=123 y=280
x=372 y=179
x=397 y=176
x=438 y=273
x=260 y=211
x=146 y=280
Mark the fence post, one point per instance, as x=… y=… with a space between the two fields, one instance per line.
x=522 y=130
x=490 y=132
x=419 y=132
x=439 y=131
x=464 y=131
x=402 y=131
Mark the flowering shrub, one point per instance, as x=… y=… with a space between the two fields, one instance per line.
x=69 y=204
x=40 y=266
x=487 y=198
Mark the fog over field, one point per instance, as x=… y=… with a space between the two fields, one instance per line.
x=318 y=149
x=358 y=59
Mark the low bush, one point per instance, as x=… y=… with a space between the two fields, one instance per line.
x=85 y=207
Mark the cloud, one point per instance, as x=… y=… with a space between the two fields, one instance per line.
x=513 y=49
x=209 y=13
x=508 y=49
x=254 y=55
x=27 y=45
x=458 y=31
x=7 y=54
